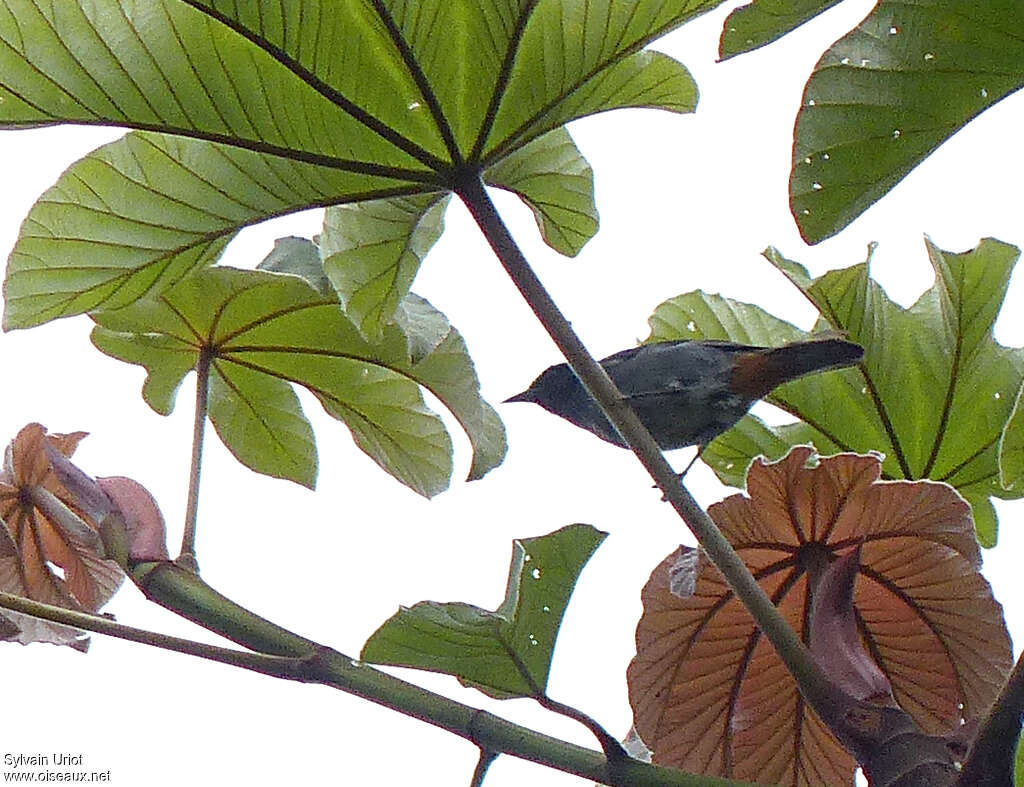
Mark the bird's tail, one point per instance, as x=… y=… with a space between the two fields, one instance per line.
x=782 y=364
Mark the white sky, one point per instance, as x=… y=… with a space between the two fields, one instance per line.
x=686 y=202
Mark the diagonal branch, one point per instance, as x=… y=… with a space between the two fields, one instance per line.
x=812 y=682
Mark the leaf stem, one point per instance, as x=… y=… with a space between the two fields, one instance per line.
x=612 y=749
x=187 y=558
x=813 y=683
x=309 y=662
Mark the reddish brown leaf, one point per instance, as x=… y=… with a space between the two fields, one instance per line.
x=708 y=692
x=43 y=555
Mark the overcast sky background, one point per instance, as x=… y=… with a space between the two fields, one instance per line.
x=686 y=202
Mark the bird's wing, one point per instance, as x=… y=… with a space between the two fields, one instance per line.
x=653 y=370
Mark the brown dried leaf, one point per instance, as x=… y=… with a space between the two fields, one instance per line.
x=35 y=549
x=709 y=694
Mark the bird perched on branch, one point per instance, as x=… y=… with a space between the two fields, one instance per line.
x=686 y=392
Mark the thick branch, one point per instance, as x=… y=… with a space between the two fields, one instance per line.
x=314 y=663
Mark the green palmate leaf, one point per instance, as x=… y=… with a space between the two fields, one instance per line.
x=934 y=393
x=372 y=250
x=440 y=362
x=888 y=93
x=277 y=115
x=506 y=653
x=263 y=331
x=937 y=390
x=260 y=419
x=764 y=21
x=553 y=178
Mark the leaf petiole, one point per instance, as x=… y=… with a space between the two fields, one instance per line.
x=187 y=558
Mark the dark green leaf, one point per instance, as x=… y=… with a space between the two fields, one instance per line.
x=887 y=94
x=763 y=21
x=265 y=330
x=505 y=653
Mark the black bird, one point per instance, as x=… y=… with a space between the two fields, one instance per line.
x=687 y=392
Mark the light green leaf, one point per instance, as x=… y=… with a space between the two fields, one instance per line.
x=552 y=177
x=263 y=330
x=423 y=325
x=506 y=653
x=581 y=72
x=167 y=65
x=933 y=394
x=272 y=112
x=764 y=21
x=731 y=453
x=299 y=257
x=440 y=363
x=372 y=251
x=137 y=215
x=1018 y=763
x=884 y=96
x=259 y=418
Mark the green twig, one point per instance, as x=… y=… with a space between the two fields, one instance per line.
x=813 y=684
x=486 y=758
x=187 y=558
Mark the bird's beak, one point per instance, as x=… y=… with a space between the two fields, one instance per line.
x=525 y=396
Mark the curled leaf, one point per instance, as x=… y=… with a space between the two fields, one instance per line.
x=144 y=524
x=505 y=653
x=834 y=635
